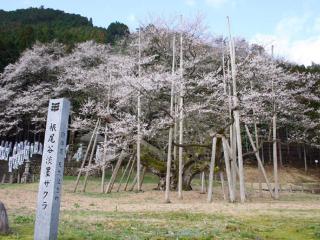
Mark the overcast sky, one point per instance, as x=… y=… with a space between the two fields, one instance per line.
x=293 y=26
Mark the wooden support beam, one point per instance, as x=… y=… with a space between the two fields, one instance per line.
x=259 y=161
x=90 y=159
x=115 y=172
x=124 y=172
x=85 y=156
x=228 y=170
x=129 y=174
x=211 y=170
x=222 y=185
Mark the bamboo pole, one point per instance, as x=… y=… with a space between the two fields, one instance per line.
x=90 y=159
x=169 y=156
x=85 y=156
x=180 y=122
x=211 y=170
x=259 y=160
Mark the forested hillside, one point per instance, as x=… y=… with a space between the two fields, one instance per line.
x=20 y=29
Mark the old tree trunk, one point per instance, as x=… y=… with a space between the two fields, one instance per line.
x=196 y=160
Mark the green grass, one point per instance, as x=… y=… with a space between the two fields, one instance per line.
x=170 y=225
x=80 y=223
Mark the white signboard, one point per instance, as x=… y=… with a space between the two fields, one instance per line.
x=48 y=205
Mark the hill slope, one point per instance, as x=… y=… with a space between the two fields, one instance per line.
x=20 y=29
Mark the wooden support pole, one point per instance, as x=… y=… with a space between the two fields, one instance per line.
x=203 y=190
x=232 y=150
x=19 y=178
x=129 y=174
x=11 y=178
x=90 y=159
x=115 y=172
x=169 y=154
x=259 y=160
x=305 y=158
x=85 y=156
x=211 y=170
x=222 y=185
x=280 y=154
x=275 y=158
x=227 y=163
x=139 y=115
x=180 y=168
x=3 y=178
x=103 y=168
x=236 y=115
x=133 y=183
x=144 y=169
x=124 y=172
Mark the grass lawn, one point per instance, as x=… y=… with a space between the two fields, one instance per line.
x=130 y=215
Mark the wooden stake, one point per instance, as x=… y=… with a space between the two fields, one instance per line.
x=211 y=170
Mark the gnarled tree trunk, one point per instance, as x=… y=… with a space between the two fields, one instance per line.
x=155 y=160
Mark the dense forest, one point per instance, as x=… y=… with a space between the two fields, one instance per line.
x=21 y=28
